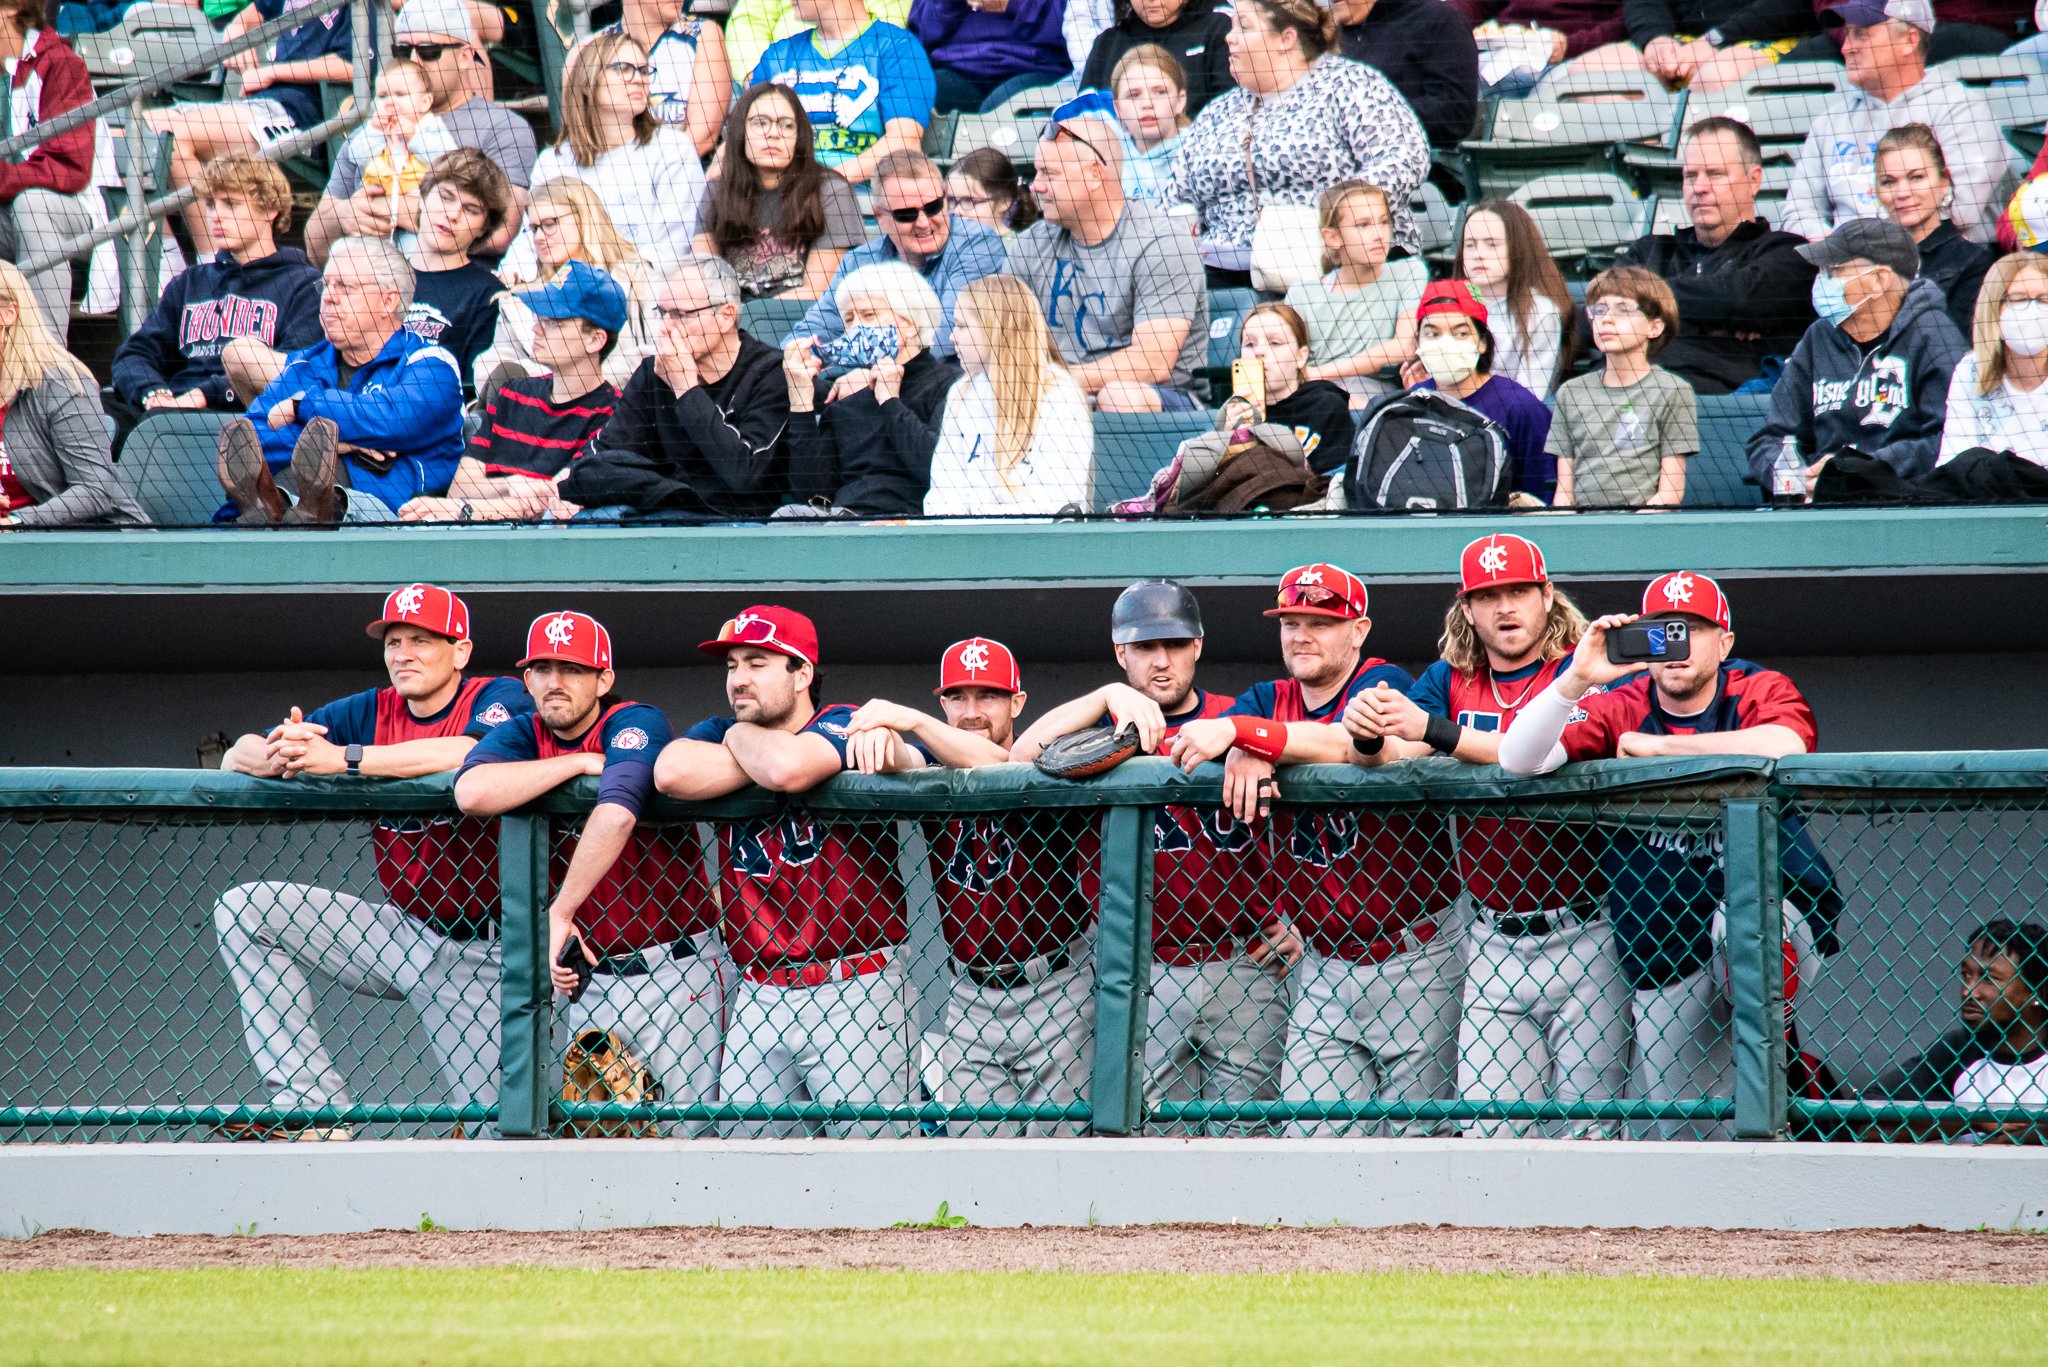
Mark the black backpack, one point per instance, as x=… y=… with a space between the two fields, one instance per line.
x=1421 y=451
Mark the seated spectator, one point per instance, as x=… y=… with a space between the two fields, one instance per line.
x=362 y=446
x=1117 y=282
x=55 y=468
x=1742 y=288
x=646 y=172
x=1318 y=411
x=533 y=429
x=1361 y=315
x=699 y=430
x=1520 y=40
x=867 y=85
x=1319 y=119
x=1152 y=106
x=781 y=220
x=983 y=52
x=1454 y=349
x=947 y=249
x=1996 y=399
x=1884 y=44
x=1196 y=32
x=568 y=222
x=984 y=187
x=1502 y=252
x=251 y=288
x=441 y=36
x=1872 y=374
x=863 y=444
x=1622 y=436
x=1963 y=28
x=691 y=84
x=1425 y=48
x=401 y=138
x=49 y=193
x=754 y=24
x=1914 y=188
x=1704 y=45
x=1016 y=437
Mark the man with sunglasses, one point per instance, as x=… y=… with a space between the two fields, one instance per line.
x=917 y=229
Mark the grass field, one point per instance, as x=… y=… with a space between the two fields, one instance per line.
x=509 y=1317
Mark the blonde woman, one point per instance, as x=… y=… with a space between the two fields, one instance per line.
x=566 y=221
x=1997 y=397
x=55 y=468
x=1016 y=436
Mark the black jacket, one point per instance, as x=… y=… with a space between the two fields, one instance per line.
x=275 y=299
x=719 y=450
x=1754 y=282
x=1196 y=39
x=1425 y=48
x=1956 y=265
x=1738 y=20
x=874 y=459
x=1320 y=414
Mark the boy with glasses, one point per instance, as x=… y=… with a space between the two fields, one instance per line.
x=1622 y=437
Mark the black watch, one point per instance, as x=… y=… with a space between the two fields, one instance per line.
x=353 y=757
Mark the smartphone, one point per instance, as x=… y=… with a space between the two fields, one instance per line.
x=1652 y=640
x=571 y=957
x=1248 y=377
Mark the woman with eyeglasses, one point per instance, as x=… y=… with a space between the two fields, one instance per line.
x=984 y=186
x=692 y=81
x=646 y=172
x=1997 y=398
x=780 y=219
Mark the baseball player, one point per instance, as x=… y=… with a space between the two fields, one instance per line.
x=435 y=943
x=1372 y=895
x=813 y=910
x=1020 y=1015
x=1666 y=888
x=1546 y=1013
x=631 y=898
x=1218 y=1006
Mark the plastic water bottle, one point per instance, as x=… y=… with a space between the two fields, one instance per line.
x=1788 y=473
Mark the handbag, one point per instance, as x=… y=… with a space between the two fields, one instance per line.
x=1287 y=241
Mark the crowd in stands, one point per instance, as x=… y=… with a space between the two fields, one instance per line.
x=1281 y=147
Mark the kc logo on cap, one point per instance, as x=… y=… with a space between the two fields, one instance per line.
x=1502 y=558
x=574 y=637
x=426 y=606
x=979 y=662
x=1695 y=595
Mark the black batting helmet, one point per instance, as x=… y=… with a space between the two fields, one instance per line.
x=1155 y=610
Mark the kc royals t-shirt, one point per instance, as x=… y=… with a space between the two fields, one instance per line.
x=882 y=73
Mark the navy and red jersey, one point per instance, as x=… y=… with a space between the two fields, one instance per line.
x=798 y=890
x=1010 y=885
x=1349 y=877
x=525 y=432
x=654 y=892
x=1208 y=869
x=442 y=870
x=1512 y=867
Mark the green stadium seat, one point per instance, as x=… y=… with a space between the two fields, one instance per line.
x=168 y=464
x=1779 y=103
x=1571 y=122
x=1437 y=220
x=1586 y=219
x=149 y=38
x=1012 y=129
x=2016 y=87
x=1131 y=447
x=156 y=178
x=1227 y=308
x=770 y=320
x=1718 y=476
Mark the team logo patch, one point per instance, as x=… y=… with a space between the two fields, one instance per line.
x=832 y=728
x=408 y=601
x=632 y=738
x=560 y=630
x=974 y=657
x=496 y=714
x=1493 y=559
x=1578 y=714
x=1679 y=590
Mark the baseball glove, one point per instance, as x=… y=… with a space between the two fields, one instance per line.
x=1084 y=754
x=599 y=1067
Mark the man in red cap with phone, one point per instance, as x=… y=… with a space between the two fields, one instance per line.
x=435 y=943
x=1545 y=1013
x=629 y=900
x=814 y=910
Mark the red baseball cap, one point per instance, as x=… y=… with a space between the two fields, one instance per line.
x=1502 y=558
x=1321 y=590
x=772 y=628
x=978 y=662
x=1695 y=595
x=573 y=636
x=426 y=606
x=1452 y=296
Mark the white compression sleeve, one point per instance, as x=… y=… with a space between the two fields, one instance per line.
x=1534 y=743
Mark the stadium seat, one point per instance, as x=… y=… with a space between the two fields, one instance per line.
x=1572 y=121
x=1719 y=477
x=149 y=38
x=1131 y=447
x=2016 y=87
x=1437 y=220
x=770 y=320
x=1227 y=308
x=1586 y=219
x=168 y=464
x=156 y=178
x=1779 y=103
x=1012 y=129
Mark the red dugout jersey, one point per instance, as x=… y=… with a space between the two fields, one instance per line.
x=1746 y=696
x=1208 y=870
x=444 y=869
x=1010 y=886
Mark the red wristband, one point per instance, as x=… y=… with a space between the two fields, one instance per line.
x=1257 y=736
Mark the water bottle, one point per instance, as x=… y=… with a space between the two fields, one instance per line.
x=1788 y=473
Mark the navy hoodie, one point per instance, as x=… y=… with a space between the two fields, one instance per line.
x=275 y=299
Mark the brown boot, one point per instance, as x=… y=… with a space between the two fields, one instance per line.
x=238 y=460
x=313 y=469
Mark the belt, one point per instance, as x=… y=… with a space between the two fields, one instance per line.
x=468 y=928
x=638 y=963
x=1405 y=940
x=1023 y=973
x=1190 y=953
x=1540 y=923
x=821 y=971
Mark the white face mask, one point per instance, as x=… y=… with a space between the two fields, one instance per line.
x=2024 y=326
x=1449 y=360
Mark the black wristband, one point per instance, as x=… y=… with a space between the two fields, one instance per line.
x=1367 y=747
x=1441 y=734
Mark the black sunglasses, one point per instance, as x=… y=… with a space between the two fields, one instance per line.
x=421 y=52
x=931 y=209
x=1055 y=131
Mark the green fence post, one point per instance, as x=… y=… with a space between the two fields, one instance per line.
x=1756 y=974
x=526 y=1011
x=1123 y=970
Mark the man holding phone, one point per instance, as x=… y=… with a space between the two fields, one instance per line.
x=1693 y=698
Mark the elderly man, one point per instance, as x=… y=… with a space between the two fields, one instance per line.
x=441 y=36
x=367 y=419
x=1741 y=286
x=1872 y=375
x=1884 y=45
x=700 y=429
x=918 y=230
x=1122 y=288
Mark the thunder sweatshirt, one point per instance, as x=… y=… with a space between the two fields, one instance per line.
x=274 y=298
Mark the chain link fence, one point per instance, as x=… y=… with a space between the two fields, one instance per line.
x=1822 y=948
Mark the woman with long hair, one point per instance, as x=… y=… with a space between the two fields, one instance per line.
x=1997 y=398
x=55 y=467
x=777 y=217
x=1916 y=190
x=1502 y=252
x=1016 y=436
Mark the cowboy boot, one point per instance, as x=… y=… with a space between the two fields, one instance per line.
x=238 y=461
x=313 y=469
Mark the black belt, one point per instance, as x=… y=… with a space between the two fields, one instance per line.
x=468 y=928
x=636 y=963
x=1010 y=977
x=1519 y=927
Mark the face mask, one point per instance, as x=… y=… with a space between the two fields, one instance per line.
x=2024 y=326
x=860 y=347
x=1831 y=300
x=1448 y=360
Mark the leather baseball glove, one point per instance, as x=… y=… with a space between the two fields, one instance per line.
x=599 y=1067
x=1086 y=753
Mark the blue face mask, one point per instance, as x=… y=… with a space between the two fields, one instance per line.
x=859 y=347
x=1831 y=300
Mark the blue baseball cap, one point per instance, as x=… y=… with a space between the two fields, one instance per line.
x=580 y=290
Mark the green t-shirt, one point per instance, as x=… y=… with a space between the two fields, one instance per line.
x=1616 y=438
x=1341 y=325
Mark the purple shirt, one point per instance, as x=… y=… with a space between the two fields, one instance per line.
x=1526 y=420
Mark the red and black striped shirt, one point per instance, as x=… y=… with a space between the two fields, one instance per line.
x=525 y=432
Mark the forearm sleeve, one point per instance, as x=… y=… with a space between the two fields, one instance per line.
x=1534 y=744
